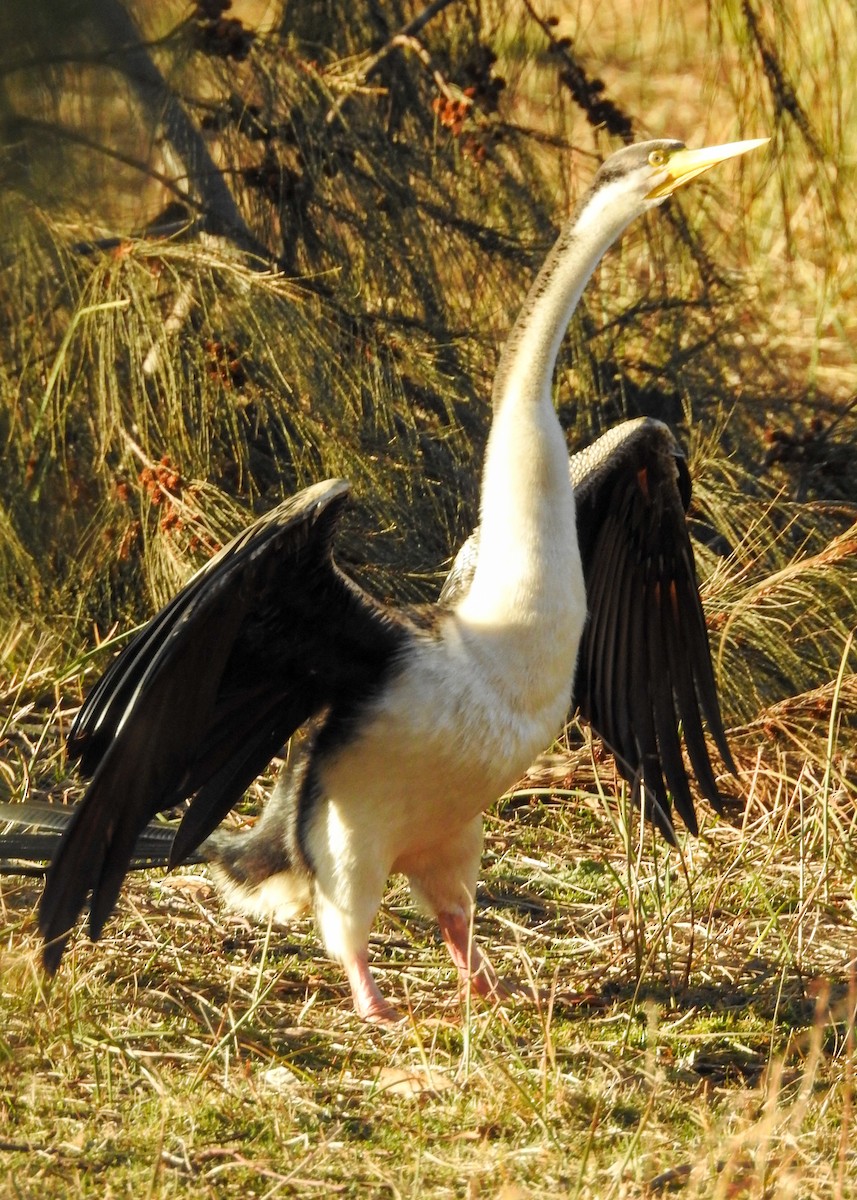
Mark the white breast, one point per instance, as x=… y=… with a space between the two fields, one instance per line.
x=455 y=730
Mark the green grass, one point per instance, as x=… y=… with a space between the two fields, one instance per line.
x=692 y=1026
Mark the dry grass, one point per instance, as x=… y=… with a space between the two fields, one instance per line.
x=692 y=1029
x=694 y=1026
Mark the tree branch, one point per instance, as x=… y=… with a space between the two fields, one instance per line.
x=184 y=139
x=402 y=36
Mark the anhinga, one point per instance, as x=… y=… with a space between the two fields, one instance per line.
x=417 y=719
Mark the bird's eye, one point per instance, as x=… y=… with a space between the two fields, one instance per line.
x=657 y=158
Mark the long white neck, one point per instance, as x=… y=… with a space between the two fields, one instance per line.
x=528 y=556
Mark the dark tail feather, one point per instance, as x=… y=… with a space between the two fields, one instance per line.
x=30 y=835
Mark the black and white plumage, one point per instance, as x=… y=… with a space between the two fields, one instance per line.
x=644 y=666
x=417 y=720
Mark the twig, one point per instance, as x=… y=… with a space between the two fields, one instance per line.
x=409 y=42
x=404 y=36
x=781 y=88
x=587 y=93
x=182 y=305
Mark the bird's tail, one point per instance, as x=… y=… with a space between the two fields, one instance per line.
x=30 y=834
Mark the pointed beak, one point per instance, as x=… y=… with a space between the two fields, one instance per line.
x=685 y=165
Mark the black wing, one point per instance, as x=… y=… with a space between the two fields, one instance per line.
x=644 y=675
x=265 y=635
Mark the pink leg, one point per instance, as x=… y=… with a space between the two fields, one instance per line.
x=368 y=1002
x=474 y=970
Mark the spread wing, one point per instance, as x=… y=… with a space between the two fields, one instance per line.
x=644 y=678
x=268 y=633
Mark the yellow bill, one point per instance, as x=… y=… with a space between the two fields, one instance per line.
x=684 y=165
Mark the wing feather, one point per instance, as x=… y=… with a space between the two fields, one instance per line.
x=644 y=679
x=265 y=636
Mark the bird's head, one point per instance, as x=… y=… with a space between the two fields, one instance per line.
x=644 y=174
